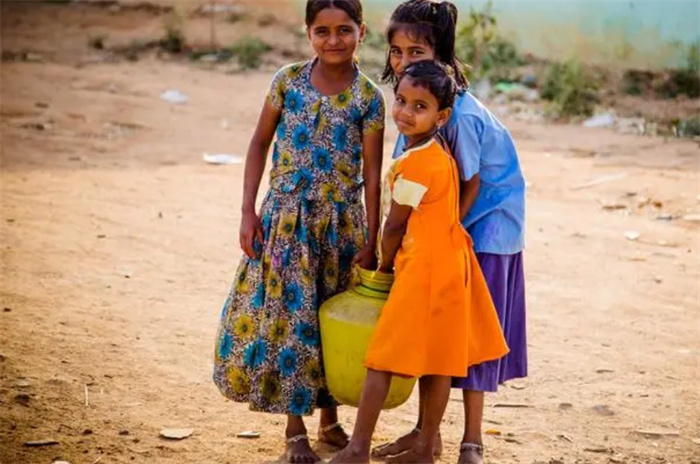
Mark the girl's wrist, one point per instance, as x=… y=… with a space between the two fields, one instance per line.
x=248 y=208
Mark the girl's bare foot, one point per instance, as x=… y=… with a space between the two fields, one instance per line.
x=350 y=456
x=412 y=457
x=471 y=453
x=299 y=451
x=333 y=435
x=403 y=444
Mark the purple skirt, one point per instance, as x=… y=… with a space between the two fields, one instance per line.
x=506 y=281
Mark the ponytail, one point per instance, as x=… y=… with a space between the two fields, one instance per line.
x=445 y=36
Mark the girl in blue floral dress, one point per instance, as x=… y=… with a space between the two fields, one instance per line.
x=328 y=119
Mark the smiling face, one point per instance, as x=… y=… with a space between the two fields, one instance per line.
x=405 y=49
x=416 y=111
x=334 y=36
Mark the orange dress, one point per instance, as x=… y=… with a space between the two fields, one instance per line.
x=439 y=318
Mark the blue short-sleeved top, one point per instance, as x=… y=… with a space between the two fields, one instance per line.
x=482 y=145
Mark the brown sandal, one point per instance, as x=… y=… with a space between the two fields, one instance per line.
x=323 y=436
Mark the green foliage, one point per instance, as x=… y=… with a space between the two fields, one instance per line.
x=97 y=41
x=376 y=41
x=689 y=127
x=174 y=39
x=235 y=17
x=479 y=44
x=637 y=82
x=692 y=58
x=249 y=51
x=571 y=88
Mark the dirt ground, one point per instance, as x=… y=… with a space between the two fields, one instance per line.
x=118 y=244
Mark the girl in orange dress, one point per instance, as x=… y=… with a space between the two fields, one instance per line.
x=439 y=318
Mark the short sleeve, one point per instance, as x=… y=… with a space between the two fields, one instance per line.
x=463 y=137
x=411 y=182
x=373 y=119
x=278 y=89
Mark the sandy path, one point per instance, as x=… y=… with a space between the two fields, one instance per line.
x=119 y=243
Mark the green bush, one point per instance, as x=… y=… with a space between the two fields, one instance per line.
x=571 y=88
x=249 y=51
x=480 y=45
x=174 y=39
x=97 y=41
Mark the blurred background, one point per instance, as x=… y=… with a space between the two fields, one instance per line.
x=123 y=130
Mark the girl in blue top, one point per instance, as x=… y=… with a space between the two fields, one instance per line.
x=492 y=201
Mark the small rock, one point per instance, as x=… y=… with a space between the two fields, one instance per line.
x=597 y=449
x=174 y=97
x=248 y=434
x=101 y=236
x=613 y=206
x=23 y=399
x=604 y=371
x=658 y=433
x=493 y=432
x=565 y=437
x=632 y=235
x=565 y=406
x=601 y=120
x=603 y=410
x=176 y=434
x=664 y=217
x=160 y=215
x=511 y=405
x=33 y=58
x=658 y=279
x=22 y=383
x=123 y=432
x=87 y=432
x=7 y=310
x=41 y=105
x=37 y=443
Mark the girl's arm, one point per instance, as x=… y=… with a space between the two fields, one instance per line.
x=392 y=234
x=372 y=152
x=254 y=167
x=468 y=191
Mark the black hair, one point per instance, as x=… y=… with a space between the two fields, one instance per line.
x=430 y=22
x=433 y=76
x=353 y=8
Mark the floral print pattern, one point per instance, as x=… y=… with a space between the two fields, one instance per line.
x=268 y=348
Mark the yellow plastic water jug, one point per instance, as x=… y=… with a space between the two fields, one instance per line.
x=347 y=321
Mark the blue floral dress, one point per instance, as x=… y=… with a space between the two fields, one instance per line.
x=268 y=351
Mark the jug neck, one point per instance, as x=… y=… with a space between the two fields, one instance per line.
x=374 y=284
